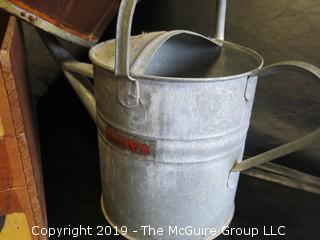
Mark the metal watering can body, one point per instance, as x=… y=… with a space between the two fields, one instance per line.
x=172 y=111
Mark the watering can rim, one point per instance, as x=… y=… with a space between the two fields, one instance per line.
x=223 y=43
x=123 y=34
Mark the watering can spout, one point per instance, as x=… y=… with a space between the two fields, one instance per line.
x=76 y=73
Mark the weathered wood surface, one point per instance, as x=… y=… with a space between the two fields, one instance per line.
x=85 y=19
x=21 y=186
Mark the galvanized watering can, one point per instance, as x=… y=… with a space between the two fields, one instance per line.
x=172 y=111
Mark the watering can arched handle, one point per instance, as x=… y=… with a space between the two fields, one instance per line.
x=295 y=145
x=124 y=24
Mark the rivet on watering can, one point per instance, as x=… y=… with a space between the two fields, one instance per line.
x=128 y=92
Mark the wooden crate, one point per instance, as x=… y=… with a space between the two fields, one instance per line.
x=22 y=203
x=82 y=21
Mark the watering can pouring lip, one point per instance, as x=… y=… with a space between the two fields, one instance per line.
x=125 y=68
x=124 y=25
x=84 y=87
x=122 y=52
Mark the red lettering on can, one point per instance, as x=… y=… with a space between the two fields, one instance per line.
x=121 y=140
x=133 y=146
x=111 y=135
x=129 y=144
x=144 y=149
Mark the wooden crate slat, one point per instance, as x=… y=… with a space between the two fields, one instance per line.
x=21 y=188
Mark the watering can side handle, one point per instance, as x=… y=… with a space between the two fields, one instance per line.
x=80 y=84
x=124 y=24
x=295 y=145
x=84 y=69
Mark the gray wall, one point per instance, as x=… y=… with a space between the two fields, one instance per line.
x=278 y=29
